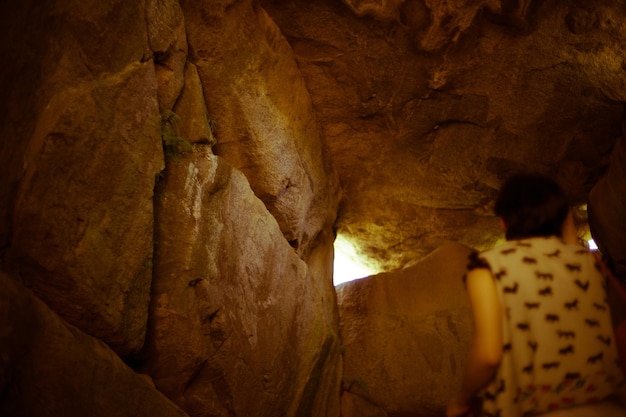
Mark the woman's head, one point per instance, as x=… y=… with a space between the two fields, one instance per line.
x=531 y=205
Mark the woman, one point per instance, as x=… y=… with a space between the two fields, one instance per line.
x=543 y=338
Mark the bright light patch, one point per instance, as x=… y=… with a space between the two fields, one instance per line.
x=592 y=244
x=346 y=267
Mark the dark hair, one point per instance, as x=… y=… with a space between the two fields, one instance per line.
x=531 y=205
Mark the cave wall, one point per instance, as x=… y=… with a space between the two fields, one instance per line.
x=171 y=182
x=427 y=106
x=209 y=275
x=607 y=210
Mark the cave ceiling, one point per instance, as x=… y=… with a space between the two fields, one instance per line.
x=425 y=106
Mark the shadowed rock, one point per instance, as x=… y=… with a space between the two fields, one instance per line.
x=405 y=335
x=50 y=368
x=607 y=210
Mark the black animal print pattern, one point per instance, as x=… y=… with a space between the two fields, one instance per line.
x=595 y=358
x=601 y=307
x=557 y=325
x=512 y=289
x=550 y=365
x=605 y=339
x=582 y=285
x=501 y=273
x=545 y=291
x=552 y=318
x=545 y=276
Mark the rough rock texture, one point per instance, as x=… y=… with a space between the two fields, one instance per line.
x=423 y=107
x=239 y=325
x=607 y=209
x=264 y=119
x=354 y=405
x=427 y=105
x=98 y=97
x=50 y=368
x=405 y=336
x=81 y=227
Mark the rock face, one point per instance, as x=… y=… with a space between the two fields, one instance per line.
x=50 y=368
x=427 y=105
x=220 y=291
x=83 y=212
x=251 y=119
x=264 y=118
x=84 y=142
x=607 y=210
x=237 y=317
x=405 y=336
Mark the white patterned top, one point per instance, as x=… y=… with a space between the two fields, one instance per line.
x=559 y=347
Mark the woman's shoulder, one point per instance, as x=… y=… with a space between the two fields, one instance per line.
x=529 y=250
x=548 y=246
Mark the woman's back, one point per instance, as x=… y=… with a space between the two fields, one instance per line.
x=558 y=344
x=543 y=338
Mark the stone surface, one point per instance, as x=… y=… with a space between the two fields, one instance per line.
x=405 y=336
x=423 y=107
x=354 y=406
x=50 y=368
x=55 y=48
x=424 y=116
x=106 y=98
x=82 y=146
x=82 y=221
x=265 y=124
x=195 y=125
x=168 y=41
x=607 y=210
x=240 y=325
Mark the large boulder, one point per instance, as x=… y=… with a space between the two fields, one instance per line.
x=264 y=119
x=96 y=93
x=83 y=219
x=50 y=368
x=81 y=150
x=405 y=336
x=240 y=325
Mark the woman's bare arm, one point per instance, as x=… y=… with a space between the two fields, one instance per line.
x=485 y=352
